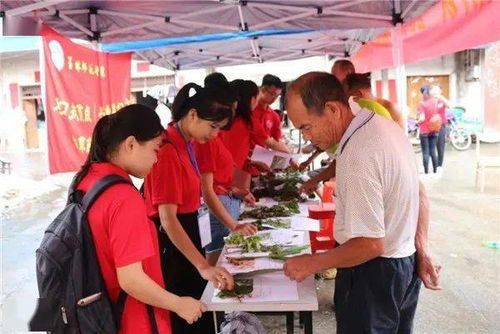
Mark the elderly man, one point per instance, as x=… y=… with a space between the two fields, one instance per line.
x=377 y=285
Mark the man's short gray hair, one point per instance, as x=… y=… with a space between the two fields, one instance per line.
x=316 y=89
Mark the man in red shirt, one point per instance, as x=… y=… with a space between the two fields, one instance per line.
x=268 y=93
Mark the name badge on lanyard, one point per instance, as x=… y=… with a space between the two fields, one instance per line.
x=203 y=216
x=204 y=225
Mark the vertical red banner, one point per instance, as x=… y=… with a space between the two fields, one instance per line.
x=81 y=86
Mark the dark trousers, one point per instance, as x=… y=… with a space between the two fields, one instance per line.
x=181 y=277
x=377 y=297
x=429 y=148
x=441 y=144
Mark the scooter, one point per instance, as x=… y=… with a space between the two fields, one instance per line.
x=459 y=137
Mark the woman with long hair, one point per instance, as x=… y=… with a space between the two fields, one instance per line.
x=173 y=192
x=245 y=131
x=222 y=198
x=126 y=143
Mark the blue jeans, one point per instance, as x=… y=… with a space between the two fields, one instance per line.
x=218 y=229
x=429 y=148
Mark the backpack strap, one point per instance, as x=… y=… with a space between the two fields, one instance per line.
x=152 y=319
x=99 y=188
x=87 y=202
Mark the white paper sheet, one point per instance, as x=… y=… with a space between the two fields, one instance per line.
x=272 y=287
x=274 y=159
x=205 y=231
x=284 y=237
x=304 y=223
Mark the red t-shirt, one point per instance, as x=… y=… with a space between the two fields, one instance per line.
x=241 y=138
x=214 y=157
x=173 y=178
x=269 y=120
x=123 y=235
x=428 y=108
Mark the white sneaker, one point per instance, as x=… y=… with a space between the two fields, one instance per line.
x=425 y=177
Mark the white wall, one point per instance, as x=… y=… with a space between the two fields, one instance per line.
x=285 y=70
x=18 y=70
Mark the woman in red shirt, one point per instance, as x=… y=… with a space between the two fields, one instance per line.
x=246 y=132
x=126 y=143
x=173 y=191
x=224 y=201
x=431 y=112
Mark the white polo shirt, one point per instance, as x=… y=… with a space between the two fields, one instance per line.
x=377 y=185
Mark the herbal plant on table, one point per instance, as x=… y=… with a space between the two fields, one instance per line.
x=266 y=224
x=242 y=287
x=262 y=212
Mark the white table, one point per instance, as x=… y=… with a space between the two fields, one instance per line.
x=305 y=305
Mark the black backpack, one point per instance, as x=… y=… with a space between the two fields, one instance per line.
x=73 y=297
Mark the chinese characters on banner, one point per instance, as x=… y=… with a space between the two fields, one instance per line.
x=82 y=85
x=447 y=27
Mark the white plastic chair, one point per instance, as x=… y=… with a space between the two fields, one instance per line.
x=485 y=162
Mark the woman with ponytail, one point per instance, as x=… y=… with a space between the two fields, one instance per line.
x=216 y=169
x=126 y=143
x=246 y=131
x=173 y=192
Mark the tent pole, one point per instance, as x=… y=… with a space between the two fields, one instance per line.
x=32 y=7
x=306 y=13
x=385 y=83
x=398 y=62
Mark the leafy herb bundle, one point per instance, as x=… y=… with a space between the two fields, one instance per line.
x=242 y=287
x=271 y=223
x=279 y=252
x=263 y=212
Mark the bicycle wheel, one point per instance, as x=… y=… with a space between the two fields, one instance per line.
x=460 y=139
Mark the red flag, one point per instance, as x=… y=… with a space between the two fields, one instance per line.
x=81 y=86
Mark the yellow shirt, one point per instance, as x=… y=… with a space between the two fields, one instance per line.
x=370 y=105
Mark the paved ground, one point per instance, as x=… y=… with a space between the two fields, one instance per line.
x=462 y=218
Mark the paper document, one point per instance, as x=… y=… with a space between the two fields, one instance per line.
x=284 y=237
x=304 y=223
x=205 y=231
x=274 y=159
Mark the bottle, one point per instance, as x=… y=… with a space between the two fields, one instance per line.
x=492 y=244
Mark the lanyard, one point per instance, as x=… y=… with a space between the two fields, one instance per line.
x=190 y=150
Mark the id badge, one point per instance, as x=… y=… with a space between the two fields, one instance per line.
x=204 y=226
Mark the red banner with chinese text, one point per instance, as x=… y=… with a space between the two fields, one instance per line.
x=81 y=86
x=447 y=27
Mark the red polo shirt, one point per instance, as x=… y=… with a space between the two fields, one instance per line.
x=173 y=179
x=214 y=157
x=240 y=138
x=123 y=235
x=429 y=108
x=269 y=120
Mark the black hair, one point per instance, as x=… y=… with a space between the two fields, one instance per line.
x=215 y=79
x=356 y=81
x=245 y=89
x=213 y=103
x=111 y=130
x=316 y=89
x=425 y=89
x=272 y=80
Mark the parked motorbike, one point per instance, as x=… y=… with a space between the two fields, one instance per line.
x=459 y=137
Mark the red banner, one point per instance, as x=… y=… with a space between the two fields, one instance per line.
x=81 y=86
x=449 y=26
